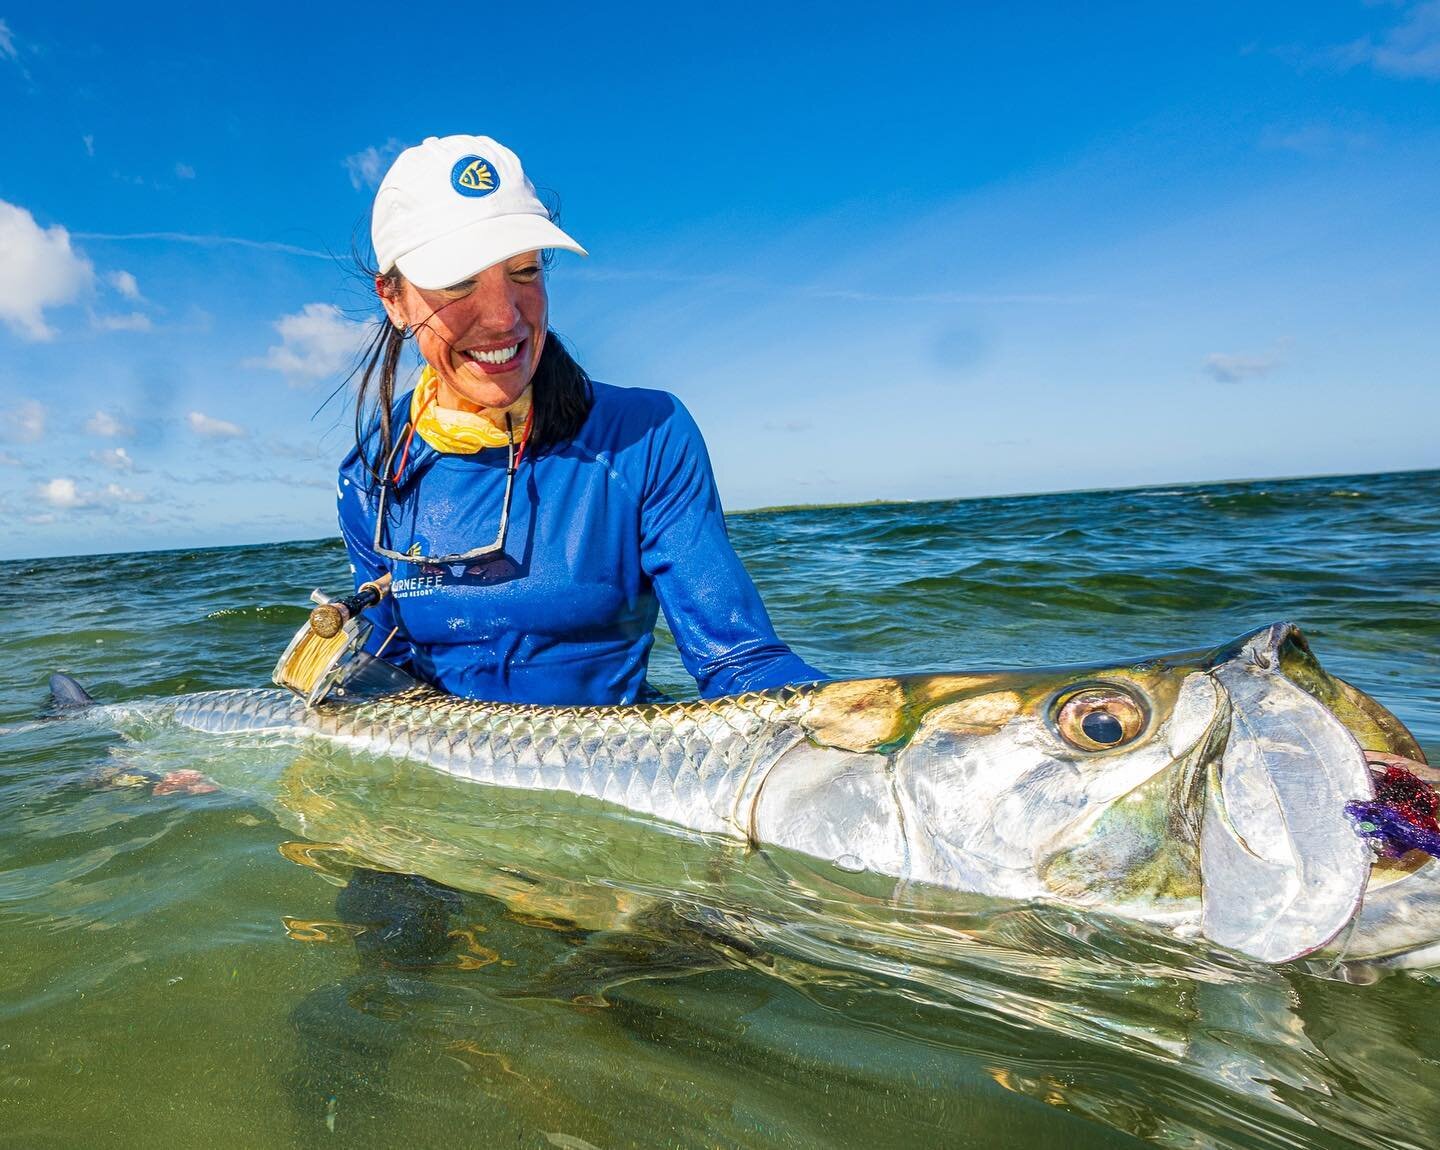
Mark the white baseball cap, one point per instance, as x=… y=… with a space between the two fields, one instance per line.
x=452 y=207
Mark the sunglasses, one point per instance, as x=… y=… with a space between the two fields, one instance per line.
x=389 y=480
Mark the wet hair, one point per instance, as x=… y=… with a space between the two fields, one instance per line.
x=561 y=391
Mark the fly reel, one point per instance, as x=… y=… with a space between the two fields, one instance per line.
x=323 y=652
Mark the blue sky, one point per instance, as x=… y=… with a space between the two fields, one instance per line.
x=918 y=251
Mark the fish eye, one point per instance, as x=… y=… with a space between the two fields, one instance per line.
x=1099 y=718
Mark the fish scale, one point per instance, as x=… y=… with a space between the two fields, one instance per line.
x=688 y=763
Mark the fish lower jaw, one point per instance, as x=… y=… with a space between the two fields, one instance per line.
x=943 y=865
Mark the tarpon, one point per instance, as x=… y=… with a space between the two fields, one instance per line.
x=1205 y=791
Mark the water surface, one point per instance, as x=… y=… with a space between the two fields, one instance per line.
x=174 y=970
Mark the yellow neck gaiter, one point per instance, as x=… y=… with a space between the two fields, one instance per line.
x=462 y=432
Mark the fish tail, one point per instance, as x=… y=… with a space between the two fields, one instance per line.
x=66 y=693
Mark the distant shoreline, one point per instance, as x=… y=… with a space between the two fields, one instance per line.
x=784 y=508
x=1187 y=484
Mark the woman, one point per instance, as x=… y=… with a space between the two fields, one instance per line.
x=532 y=520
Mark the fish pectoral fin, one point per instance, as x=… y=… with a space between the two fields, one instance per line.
x=659 y=941
x=1282 y=868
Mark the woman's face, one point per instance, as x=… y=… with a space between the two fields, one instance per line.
x=483 y=337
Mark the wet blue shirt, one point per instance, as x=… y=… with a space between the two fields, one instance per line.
x=603 y=531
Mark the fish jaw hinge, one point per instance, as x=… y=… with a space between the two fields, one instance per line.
x=1194 y=775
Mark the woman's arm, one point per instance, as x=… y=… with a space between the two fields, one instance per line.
x=721 y=627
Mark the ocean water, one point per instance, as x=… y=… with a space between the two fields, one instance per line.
x=175 y=971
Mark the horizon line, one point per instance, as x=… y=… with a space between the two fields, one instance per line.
x=781 y=508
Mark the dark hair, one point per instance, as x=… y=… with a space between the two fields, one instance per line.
x=561 y=391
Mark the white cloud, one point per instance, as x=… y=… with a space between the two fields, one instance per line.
x=1233 y=368
x=64 y=494
x=24 y=422
x=133 y=321
x=367 y=168
x=252 y=478
x=9 y=460
x=306 y=453
x=107 y=426
x=210 y=242
x=184 y=171
x=1410 y=50
x=7 y=42
x=114 y=493
x=115 y=458
x=41 y=270
x=317 y=342
x=210 y=428
x=89 y=142
x=125 y=284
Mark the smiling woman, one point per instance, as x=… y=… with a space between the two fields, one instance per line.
x=533 y=574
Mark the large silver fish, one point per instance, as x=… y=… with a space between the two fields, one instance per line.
x=1204 y=790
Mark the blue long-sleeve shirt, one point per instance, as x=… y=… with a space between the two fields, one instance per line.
x=603 y=531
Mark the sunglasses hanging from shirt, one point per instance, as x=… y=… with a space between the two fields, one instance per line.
x=390 y=479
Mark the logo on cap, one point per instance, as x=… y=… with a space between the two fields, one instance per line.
x=474 y=176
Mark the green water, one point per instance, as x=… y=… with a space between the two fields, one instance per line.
x=174 y=971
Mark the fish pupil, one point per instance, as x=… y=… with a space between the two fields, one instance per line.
x=1100 y=727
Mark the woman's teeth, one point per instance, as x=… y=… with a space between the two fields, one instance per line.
x=499 y=355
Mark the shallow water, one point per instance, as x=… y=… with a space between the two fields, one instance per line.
x=174 y=969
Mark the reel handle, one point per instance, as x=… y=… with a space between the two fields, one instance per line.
x=327 y=619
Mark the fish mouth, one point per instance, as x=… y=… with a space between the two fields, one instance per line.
x=1283 y=870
